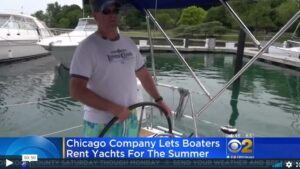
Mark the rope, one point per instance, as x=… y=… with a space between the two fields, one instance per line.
x=27 y=103
x=60 y=131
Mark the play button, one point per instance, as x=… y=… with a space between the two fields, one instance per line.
x=8 y=163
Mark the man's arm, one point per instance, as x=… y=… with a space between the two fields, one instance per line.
x=149 y=85
x=80 y=92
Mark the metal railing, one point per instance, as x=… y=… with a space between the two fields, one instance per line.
x=148 y=13
x=238 y=74
x=250 y=62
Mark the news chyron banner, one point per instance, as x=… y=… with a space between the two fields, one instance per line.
x=150 y=148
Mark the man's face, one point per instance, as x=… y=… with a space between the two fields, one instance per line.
x=108 y=17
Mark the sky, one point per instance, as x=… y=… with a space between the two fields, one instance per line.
x=31 y=6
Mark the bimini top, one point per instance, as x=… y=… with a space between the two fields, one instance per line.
x=168 y=4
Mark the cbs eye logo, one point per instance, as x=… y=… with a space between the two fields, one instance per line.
x=236 y=146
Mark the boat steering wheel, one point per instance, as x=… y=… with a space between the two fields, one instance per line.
x=141 y=105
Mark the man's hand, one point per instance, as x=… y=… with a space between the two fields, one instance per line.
x=165 y=107
x=122 y=113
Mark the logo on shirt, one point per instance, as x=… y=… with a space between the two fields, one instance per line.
x=119 y=55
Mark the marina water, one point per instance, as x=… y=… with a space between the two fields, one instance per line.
x=34 y=97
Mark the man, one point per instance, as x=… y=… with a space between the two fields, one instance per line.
x=103 y=75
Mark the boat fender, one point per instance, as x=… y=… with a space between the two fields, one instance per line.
x=228 y=129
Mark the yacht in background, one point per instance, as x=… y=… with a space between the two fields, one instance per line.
x=63 y=46
x=18 y=36
x=289 y=49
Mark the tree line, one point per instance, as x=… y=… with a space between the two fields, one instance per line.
x=57 y=16
x=259 y=15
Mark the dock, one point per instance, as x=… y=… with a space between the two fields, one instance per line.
x=248 y=52
x=273 y=58
x=35 y=51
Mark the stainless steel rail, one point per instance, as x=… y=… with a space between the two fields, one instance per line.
x=250 y=62
x=151 y=48
x=240 y=23
x=178 y=53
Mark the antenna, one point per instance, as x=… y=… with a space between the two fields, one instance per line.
x=22 y=12
x=295 y=32
x=83 y=8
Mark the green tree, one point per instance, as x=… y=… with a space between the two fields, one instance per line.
x=175 y=14
x=165 y=20
x=243 y=8
x=218 y=14
x=134 y=18
x=52 y=11
x=285 y=11
x=208 y=29
x=62 y=16
x=275 y=3
x=87 y=10
x=260 y=16
x=40 y=15
x=192 y=16
x=72 y=13
x=63 y=23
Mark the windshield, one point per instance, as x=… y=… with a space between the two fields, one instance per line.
x=86 y=24
x=3 y=19
x=81 y=24
x=91 y=25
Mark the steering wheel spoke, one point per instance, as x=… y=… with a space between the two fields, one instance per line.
x=143 y=106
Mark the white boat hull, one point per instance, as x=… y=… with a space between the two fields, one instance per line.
x=63 y=54
x=16 y=50
x=18 y=36
x=293 y=52
x=62 y=46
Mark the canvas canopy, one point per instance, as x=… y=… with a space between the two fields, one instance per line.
x=168 y=4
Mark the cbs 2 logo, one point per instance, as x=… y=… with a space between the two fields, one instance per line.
x=244 y=146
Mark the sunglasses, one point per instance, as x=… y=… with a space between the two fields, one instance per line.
x=114 y=11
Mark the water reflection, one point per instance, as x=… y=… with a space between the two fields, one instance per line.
x=27 y=99
x=266 y=94
x=267 y=100
x=58 y=93
x=296 y=121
